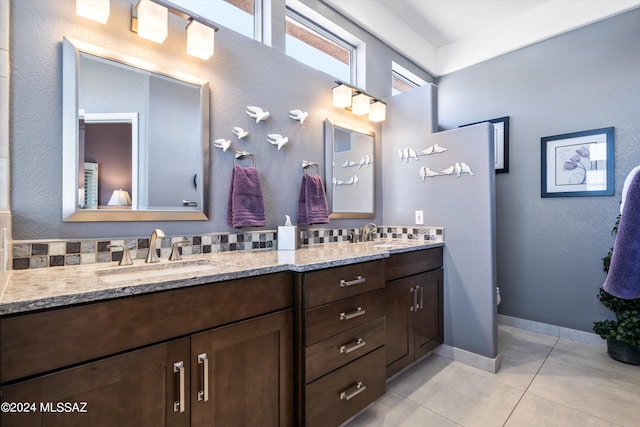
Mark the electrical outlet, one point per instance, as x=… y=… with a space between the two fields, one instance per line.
x=419 y=217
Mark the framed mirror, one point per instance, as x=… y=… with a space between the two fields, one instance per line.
x=135 y=139
x=349 y=171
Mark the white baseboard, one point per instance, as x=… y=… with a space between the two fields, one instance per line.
x=553 y=330
x=468 y=358
x=493 y=364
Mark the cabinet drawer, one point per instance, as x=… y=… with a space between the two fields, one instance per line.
x=335 y=397
x=410 y=263
x=331 y=319
x=332 y=284
x=40 y=342
x=341 y=349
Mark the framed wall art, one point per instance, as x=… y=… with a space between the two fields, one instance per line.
x=578 y=164
x=500 y=141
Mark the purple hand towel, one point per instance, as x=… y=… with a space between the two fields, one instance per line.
x=246 y=205
x=623 y=279
x=312 y=204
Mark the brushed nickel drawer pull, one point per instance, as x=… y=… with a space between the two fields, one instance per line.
x=414 y=306
x=421 y=305
x=178 y=405
x=353 y=391
x=357 y=280
x=203 y=395
x=348 y=348
x=350 y=315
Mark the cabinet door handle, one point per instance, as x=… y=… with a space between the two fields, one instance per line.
x=350 y=315
x=348 y=348
x=353 y=391
x=357 y=280
x=421 y=305
x=203 y=395
x=414 y=306
x=178 y=405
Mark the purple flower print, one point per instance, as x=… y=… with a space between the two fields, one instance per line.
x=575 y=162
x=583 y=152
x=569 y=166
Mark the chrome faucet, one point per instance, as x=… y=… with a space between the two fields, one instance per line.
x=152 y=256
x=366 y=235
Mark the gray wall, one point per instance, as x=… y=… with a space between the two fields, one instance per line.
x=242 y=72
x=463 y=205
x=549 y=250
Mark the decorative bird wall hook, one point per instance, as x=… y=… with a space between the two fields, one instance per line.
x=257 y=113
x=239 y=132
x=458 y=168
x=224 y=144
x=298 y=115
x=277 y=139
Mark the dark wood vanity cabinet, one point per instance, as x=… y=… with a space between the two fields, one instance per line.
x=199 y=356
x=342 y=332
x=249 y=377
x=135 y=388
x=414 y=286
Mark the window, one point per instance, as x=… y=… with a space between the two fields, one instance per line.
x=319 y=48
x=403 y=80
x=238 y=15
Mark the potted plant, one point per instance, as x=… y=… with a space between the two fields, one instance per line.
x=623 y=333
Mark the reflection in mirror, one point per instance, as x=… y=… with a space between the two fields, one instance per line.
x=135 y=139
x=349 y=171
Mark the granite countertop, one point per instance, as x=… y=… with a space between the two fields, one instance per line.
x=34 y=289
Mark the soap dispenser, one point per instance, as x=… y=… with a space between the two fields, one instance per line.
x=288 y=236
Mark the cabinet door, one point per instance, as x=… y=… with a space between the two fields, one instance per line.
x=427 y=325
x=399 y=313
x=242 y=374
x=137 y=388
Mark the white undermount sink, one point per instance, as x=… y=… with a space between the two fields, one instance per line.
x=132 y=272
x=386 y=245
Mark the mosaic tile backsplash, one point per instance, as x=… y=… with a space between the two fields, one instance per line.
x=59 y=253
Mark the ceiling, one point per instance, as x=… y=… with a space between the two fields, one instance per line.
x=443 y=36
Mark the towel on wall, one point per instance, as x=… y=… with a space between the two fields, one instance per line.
x=627 y=183
x=312 y=204
x=623 y=279
x=246 y=204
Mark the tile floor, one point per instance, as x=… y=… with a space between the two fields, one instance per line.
x=544 y=381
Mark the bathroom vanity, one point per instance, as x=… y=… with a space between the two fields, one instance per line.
x=194 y=356
x=413 y=294
x=297 y=340
x=342 y=359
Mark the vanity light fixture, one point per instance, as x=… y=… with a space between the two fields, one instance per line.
x=377 y=111
x=120 y=198
x=149 y=18
x=96 y=10
x=360 y=103
x=200 y=40
x=342 y=96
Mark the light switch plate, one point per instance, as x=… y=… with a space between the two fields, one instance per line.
x=419 y=217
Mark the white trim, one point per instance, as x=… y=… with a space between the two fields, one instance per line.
x=314 y=21
x=493 y=364
x=468 y=358
x=552 y=330
x=406 y=74
x=258 y=21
